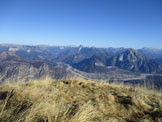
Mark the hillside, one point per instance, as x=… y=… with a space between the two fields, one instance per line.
x=77 y=100
x=134 y=61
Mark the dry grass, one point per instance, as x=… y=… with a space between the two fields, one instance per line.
x=77 y=100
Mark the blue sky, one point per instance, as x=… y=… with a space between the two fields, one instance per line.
x=100 y=23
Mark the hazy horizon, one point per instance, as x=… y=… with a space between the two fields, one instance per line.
x=73 y=46
x=91 y=23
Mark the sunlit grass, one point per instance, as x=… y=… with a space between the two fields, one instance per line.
x=77 y=100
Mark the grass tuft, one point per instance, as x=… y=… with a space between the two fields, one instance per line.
x=77 y=100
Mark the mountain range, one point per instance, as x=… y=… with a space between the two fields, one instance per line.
x=22 y=62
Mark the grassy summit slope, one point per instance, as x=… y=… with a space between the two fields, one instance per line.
x=76 y=100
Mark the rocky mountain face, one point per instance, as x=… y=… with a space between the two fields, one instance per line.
x=134 y=61
x=14 y=68
x=93 y=64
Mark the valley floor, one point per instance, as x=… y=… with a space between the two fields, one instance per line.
x=77 y=100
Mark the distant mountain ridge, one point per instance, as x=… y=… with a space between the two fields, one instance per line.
x=151 y=53
x=21 y=62
x=8 y=56
x=130 y=60
x=87 y=59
